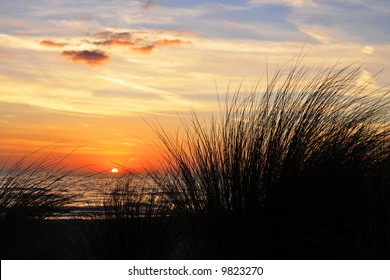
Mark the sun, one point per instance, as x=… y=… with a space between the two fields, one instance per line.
x=114 y=170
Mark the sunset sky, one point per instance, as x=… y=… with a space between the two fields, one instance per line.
x=87 y=75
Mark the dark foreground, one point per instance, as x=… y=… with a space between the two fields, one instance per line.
x=167 y=238
x=88 y=239
x=50 y=239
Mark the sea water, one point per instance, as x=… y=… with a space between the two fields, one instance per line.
x=92 y=194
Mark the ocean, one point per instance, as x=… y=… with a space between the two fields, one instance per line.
x=91 y=193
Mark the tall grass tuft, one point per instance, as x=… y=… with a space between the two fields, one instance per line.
x=136 y=222
x=297 y=169
x=30 y=190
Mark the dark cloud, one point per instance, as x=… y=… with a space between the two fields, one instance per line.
x=113 y=35
x=136 y=44
x=102 y=34
x=115 y=39
x=93 y=58
x=48 y=43
x=115 y=42
x=149 y=4
x=121 y=36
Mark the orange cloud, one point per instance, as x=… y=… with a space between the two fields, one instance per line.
x=160 y=43
x=140 y=45
x=47 y=43
x=120 y=42
x=145 y=49
x=93 y=58
x=175 y=42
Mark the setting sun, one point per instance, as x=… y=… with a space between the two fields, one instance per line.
x=114 y=170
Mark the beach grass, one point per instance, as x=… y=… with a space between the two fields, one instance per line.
x=298 y=169
x=136 y=223
x=33 y=188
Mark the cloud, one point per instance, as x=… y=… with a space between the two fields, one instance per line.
x=149 y=4
x=367 y=24
x=126 y=94
x=93 y=58
x=185 y=33
x=175 y=42
x=160 y=43
x=120 y=36
x=115 y=39
x=144 y=49
x=48 y=43
x=322 y=34
x=113 y=35
x=114 y=42
x=368 y=50
x=137 y=42
x=5 y=55
x=294 y=3
x=368 y=80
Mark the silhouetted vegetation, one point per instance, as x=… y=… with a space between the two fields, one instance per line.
x=30 y=190
x=136 y=223
x=299 y=170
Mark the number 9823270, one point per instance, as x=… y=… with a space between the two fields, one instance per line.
x=252 y=270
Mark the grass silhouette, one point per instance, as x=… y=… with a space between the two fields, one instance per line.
x=136 y=223
x=297 y=170
x=33 y=188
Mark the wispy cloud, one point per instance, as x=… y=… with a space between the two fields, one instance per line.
x=174 y=42
x=368 y=50
x=149 y=4
x=109 y=38
x=333 y=21
x=144 y=49
x=5 y=55
x=53 y=44
x=137 y=42
x=114 y=42
x=160 y=43
x=114 y=35
x=294 y=3
x=92 y=58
